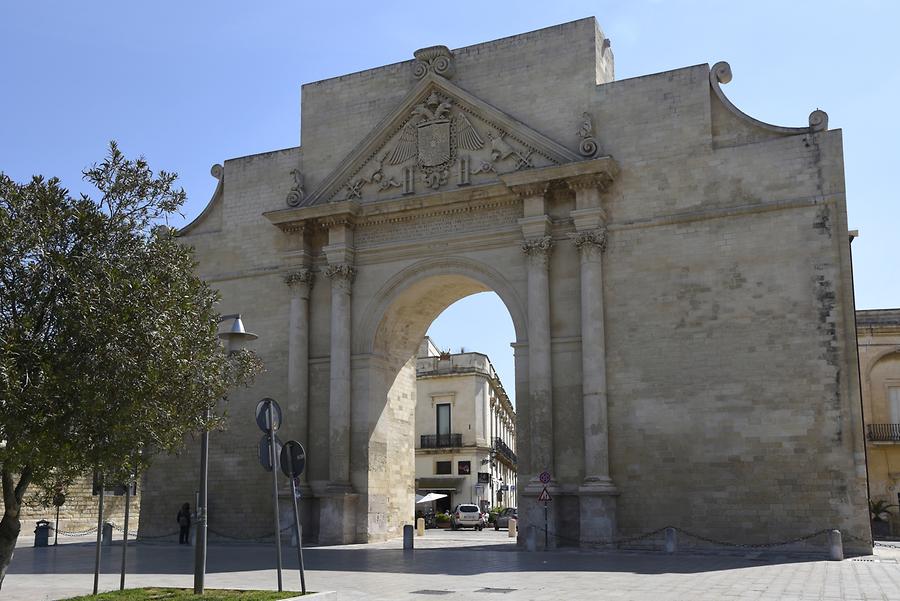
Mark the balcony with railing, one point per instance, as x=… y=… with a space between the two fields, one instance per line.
x=883 y=432
x=504 y=451
x=440 y=441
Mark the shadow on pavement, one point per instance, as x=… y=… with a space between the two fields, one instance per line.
x=167 y=558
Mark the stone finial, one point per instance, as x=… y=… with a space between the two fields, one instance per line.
x=436 y=59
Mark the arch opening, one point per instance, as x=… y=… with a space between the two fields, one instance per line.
x=404 y=443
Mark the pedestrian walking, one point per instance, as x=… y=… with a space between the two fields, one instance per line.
x=184 y=524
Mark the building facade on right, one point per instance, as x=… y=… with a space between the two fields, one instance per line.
x=878 y=335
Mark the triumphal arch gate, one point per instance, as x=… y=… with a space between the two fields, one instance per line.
x=677 y=274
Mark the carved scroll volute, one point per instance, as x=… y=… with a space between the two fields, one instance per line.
x=297 y=193
x=588 y=146
x=434 y=59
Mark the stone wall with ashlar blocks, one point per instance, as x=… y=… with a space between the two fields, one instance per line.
x=732 y=399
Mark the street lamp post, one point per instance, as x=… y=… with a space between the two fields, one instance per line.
x=232 y=338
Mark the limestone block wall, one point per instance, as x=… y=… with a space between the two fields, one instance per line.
x=79 y=512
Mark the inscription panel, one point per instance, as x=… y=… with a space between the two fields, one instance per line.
x=439 y=225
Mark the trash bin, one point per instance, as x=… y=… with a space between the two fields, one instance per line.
x=42 y=533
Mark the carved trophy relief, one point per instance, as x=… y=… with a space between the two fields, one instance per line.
x=441 y=143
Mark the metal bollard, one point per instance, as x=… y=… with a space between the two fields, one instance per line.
x=531 y=539
x=513 y=527
x=835 y=545
x=671 y=540
x=420 y=527
x=407 y=537
x=107 y=535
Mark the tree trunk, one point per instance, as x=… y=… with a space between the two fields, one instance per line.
x=10 y=526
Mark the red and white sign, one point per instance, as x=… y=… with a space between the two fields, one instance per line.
x=545 y=495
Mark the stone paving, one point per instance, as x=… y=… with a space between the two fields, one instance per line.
x=460 y=565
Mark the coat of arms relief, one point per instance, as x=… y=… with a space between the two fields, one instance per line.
x=441 y=144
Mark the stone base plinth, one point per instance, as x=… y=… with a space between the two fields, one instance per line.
x=598 y=514
x=337 y=519
x=531 y=513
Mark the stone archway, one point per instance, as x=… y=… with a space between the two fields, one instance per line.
x=660 y=361
x=384 y=381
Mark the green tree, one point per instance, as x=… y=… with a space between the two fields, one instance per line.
x=108 y=341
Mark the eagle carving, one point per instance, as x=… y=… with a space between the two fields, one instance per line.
x=432 y=136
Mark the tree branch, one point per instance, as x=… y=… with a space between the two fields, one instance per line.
x=9 y=489
x=24 y=481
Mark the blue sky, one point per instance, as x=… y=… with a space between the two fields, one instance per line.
x=189 y=84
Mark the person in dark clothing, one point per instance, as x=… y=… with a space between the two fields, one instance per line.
x=184 y=524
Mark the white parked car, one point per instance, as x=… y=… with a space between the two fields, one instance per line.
x=466 y=515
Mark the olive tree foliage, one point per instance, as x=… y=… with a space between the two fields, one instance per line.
x=108 y=341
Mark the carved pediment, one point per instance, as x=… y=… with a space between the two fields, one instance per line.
x=441 y=137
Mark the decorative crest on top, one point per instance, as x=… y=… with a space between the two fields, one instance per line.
x=437 y=59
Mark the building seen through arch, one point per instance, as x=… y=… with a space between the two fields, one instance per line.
x=465 y=430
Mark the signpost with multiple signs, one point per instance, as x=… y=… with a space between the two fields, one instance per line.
x=268 y=418
x=545 y=498
x=291 y=458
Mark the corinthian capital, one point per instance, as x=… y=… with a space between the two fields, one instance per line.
x=592 y=241
x=299 y=281
x=538 y=250
x=341 y=274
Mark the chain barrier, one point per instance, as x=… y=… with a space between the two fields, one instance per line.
x=791 y=541
x=615 y=541
x=249 y=538
x=874 y=543
x=652 y=533
x=75 y=533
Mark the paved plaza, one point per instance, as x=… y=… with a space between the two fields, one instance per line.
x=460 y=565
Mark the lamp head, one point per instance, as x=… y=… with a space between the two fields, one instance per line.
x=237 y=335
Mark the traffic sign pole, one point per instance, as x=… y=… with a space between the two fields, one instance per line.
x=299 y=535
x=274 y=461
x=546 y=521
x=293 y=462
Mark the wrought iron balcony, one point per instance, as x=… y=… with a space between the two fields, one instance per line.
x=883 y=432
x=504 y=451
x=440 y=441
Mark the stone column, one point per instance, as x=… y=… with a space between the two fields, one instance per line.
x=591 y=245
x=597 y=492
x=341 y=276
x=540 y=381
x=300 y=283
